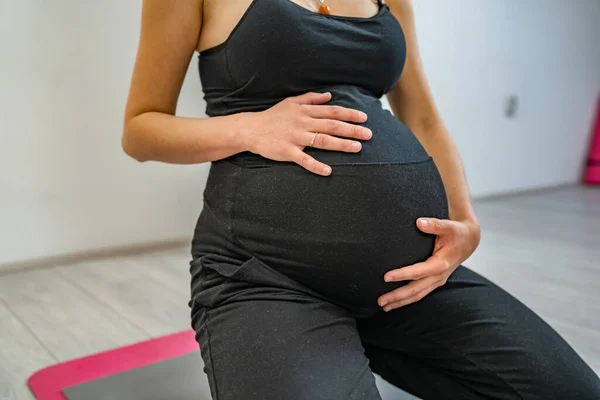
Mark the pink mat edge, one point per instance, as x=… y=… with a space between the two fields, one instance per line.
x=48 y=383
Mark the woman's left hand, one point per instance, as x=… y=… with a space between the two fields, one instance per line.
x=455 y=242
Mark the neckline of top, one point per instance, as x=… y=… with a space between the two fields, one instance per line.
x=382 y=8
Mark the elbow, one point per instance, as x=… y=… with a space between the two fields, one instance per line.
x=132 y=146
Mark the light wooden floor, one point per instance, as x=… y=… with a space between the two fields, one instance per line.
x=543 y=247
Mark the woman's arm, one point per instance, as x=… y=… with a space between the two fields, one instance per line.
x=412 y=102
x=456 y=237
x=169 y=35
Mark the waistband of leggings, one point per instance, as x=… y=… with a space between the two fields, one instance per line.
x=251 y=160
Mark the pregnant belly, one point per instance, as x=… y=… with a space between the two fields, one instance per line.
x=337 y=235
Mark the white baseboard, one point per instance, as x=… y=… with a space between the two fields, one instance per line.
x=97 y=254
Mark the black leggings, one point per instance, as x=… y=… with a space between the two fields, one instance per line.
x=284 y=290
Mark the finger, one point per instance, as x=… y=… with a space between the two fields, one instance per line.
x=410 y=300
x=328 y=142
x=340 y=128
x=432 y=266
x=311 y=98
x=410 y=291
x=435 y=226
x=338 y=113
x=309 y=163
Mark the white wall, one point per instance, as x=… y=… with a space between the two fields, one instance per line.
x=66 y=186
x=545 y=51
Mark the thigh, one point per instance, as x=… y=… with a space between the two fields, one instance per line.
x=267 y=342
x=470 y=339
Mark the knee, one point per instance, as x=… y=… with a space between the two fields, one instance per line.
x=575 y=384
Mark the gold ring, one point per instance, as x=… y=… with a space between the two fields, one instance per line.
x=313 y=140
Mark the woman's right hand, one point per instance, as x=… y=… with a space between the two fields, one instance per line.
x=283 y=131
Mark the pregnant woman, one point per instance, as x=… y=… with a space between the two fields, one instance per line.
x=332 y=231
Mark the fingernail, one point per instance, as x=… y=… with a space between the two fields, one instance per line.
x=386 y=309
x=327 y=170
x=388 y=278
x=424 y=222
x=383 y=303
x=368 y=133
x=363 y=115
x=356 y=146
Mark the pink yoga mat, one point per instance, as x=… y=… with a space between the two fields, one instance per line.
x=48 y=383
x=593 y=165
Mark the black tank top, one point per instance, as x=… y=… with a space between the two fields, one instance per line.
x=280 y=49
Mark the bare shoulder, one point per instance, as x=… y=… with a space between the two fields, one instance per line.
x=400 y=5
x=401 y=9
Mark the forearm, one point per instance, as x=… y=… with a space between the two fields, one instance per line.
x=155 y=136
